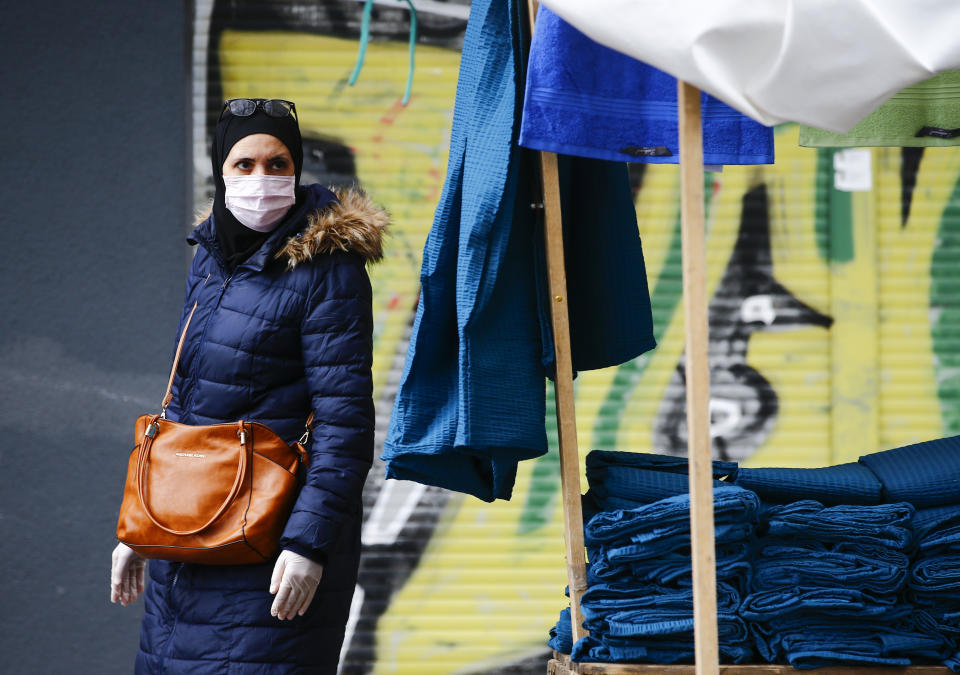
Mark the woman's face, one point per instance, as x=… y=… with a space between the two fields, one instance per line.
x=261 y=154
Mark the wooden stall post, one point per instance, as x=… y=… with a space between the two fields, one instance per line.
x=563 y=383
x=698 y=381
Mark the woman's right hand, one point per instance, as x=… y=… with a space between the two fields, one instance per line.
x=126 y=575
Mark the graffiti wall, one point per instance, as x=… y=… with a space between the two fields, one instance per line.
x=833 y=319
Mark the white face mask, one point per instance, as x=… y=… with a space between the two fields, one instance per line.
x=259 y=201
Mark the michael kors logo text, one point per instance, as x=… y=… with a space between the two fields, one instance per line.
x=189 y=454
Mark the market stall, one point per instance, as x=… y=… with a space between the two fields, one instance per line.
x=697 y=412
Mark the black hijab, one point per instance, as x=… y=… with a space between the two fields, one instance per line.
x=237 y=241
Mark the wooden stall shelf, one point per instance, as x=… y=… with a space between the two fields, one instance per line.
x=561 y=664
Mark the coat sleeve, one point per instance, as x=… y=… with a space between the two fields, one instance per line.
x=337 y=349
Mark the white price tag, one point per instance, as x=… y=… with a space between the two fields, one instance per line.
x=853 y=170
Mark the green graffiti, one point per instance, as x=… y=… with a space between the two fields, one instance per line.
x=944 y=290
x=833 y=213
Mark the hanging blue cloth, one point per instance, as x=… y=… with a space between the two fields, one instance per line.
x=586 y=99
x=471 y=402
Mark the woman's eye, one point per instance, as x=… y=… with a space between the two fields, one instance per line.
x=243 y=165
x=278 y=165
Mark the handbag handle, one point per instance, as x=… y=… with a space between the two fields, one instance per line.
x=143 y=460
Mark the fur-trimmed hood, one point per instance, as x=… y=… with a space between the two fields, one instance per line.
x=350 y=223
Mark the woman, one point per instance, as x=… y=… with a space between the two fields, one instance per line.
x=283 y=328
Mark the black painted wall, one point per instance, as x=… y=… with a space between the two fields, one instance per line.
x=93 y=205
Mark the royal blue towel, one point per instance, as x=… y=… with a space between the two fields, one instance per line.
x=585 y=99
x=670 y=518
x=924 y=474
x=887 y=525
x=850 y=483
x=471 y=399
x=871 y=569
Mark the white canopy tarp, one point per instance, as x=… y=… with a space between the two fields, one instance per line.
x=826 y=63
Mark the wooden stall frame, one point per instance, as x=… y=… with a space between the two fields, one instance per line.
x=697 y=368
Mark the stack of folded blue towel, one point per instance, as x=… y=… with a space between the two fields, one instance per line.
x=851 y=564
x=927 y=475
x=826 y=587
x=639 y=602
x=934 y=581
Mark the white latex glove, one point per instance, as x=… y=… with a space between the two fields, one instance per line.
x=294 y=581
x=126 y=575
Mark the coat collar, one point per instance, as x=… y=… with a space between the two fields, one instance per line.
x=325 y=221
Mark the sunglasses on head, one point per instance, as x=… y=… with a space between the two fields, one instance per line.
x=244 y=107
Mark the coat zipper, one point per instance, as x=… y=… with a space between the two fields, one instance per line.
x=176 y=612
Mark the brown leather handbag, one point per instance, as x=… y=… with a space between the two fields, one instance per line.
x=215 y=494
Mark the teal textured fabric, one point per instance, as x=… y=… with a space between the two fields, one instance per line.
x=850 y=483
x=924 y=474
x=471 y=401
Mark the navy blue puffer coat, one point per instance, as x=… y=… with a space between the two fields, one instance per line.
x=287 y=333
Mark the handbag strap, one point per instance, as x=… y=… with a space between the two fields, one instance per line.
x=168 y=396
x=144 y=461
x=176 y=360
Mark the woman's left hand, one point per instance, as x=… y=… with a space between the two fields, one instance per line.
x=295 y=580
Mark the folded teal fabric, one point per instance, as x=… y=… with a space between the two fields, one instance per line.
x=561 y=635
x=603 y=599
x=624 y=565
x=937 y=528
x=936 y=578
x=924 y=474
x=806 y=642
x=655 y=624
x=599 y=462
x=626 y=480
x=669 y=517
x=880 y=525
x=668 y=638
x=628 y=488
x=850 y=483
x=874 y=570
x=840 y=601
